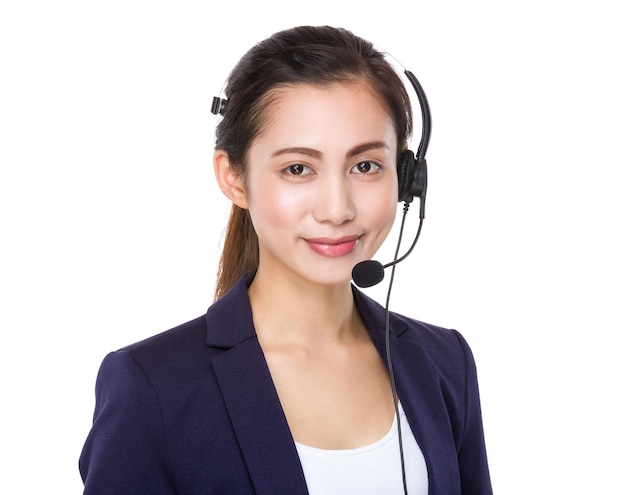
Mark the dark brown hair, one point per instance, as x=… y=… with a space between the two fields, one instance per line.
x=315 y=55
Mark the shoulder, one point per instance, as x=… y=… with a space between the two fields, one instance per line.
x=183 y=353
x=187 y=349
x=182 y=337
x=158 y=363
x=165 y=348
x=433 y=338
x=443 y=350
x=448 y=354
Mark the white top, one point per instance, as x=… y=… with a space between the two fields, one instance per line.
x=370 y=470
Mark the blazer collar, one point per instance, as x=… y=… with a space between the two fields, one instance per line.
x=373 y=316
x=229 y=320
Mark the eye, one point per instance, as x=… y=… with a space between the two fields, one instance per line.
x=367 y=167
x=297 y=169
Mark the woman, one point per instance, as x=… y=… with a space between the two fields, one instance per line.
x=282 y=387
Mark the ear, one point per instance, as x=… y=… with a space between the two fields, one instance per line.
x=230 y=182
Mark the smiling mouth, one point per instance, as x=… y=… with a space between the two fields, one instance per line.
x=333 y=247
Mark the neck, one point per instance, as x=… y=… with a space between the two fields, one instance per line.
x=290 y=311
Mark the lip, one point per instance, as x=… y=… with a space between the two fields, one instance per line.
x=333 y=247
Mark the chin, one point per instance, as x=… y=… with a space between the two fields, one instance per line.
x=330 y=278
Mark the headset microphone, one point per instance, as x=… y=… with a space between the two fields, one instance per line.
x=368 y=273
x=371 y=272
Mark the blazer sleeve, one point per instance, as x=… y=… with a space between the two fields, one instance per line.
x=125 y=452
x=472 y=455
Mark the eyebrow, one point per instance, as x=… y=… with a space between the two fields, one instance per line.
x=357 y=150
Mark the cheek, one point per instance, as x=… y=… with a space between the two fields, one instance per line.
x=387 y=213
x=273 y=206
x=378 y=213
x=382 y=207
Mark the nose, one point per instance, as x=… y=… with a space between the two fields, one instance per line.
x=334 y=201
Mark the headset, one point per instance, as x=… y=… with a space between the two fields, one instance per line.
x=412 y=169
x=412 y=183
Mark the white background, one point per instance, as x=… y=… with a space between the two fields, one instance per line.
x=111 y=221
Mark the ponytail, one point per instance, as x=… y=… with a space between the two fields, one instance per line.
x=240 y=254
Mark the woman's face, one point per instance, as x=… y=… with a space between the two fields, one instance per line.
x=321 y=183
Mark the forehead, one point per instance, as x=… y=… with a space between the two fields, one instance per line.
x=322 y=112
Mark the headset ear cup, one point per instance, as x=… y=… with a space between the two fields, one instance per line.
x=406 y=172
x=420 y=181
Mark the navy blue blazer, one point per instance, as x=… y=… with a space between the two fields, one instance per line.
x=194 y=410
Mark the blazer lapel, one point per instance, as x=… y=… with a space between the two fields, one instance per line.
x=420 y=394
x=418 y=389
x=251 y=399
